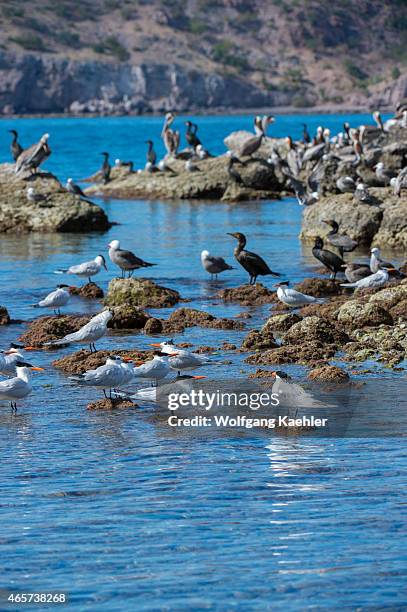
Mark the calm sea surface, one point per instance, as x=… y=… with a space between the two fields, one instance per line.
x=123 y=513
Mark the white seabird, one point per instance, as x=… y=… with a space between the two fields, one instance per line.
x=33 y=196
x=378 y=279
x=214 y=265
x=108 y=376
x=293 y=298
x=95 y=329
x=73 y=188
x=87 y=269
x=19 y=386
x=9 y=359
x=55 y=299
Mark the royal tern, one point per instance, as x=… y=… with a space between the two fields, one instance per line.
x=181 y=359
x=293 y=298
x=19 y=386
x=214 y=265
x=373 y=281
x=86 y=269
x=126 y=260
x=88 y=334
x=9 y=359
x=55 y=299
x=168 y=347
x=252 y=263
x=109 y=376
x=155 y=369
x=149 y=394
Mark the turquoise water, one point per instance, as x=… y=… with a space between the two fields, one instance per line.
x=123 y=513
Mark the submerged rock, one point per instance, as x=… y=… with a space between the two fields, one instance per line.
x=329 y=373
x=111 y=404
x=59 y=211
x=353 y=315
x=259 y=341
x=315 y=329
x=190 y=317
x=90 y=291
x=281 y=322
x=140 y=292
x=4 y=316
x=248 y=295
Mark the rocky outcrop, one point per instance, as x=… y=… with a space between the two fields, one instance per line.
x=353 y=315
x=190 y=317
x=58 y=211
x=111 y=404
x=259 y=340
x=329 y=373
x=80 y=361
x=90 y=291
x=248 y=295
x=140 y=292
x=46 y=329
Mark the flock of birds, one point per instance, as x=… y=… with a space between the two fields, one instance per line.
x=121 y=371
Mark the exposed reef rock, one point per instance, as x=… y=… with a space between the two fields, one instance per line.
x=140 y=292
x=111 y=404
x=248 y=295
x=59 y=211
x=329 y=373
x=259 y=341
x=128 y=317
x=190 y=317
x=314 y=329
x=310 y=353
x=91 y=291
x=281 y=322
x=50 y=328
x=353 y=315
x=82 y=360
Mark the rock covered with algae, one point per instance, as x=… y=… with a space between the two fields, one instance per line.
x=140 y=292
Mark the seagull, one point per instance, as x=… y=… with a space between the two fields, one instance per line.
x=73 y=188
x=32 y=158
x=293 y=298
x=362 y=195
x=355 y=271
x=87 y=268
x=18 y=387
x=95 y=329
x=32 y=196
x=346 y=184
x=110 y=376
x=55 y=299
x=214 y=265
x=373 y=281
x=384 y=175
x=376 y=263
x=126 y=260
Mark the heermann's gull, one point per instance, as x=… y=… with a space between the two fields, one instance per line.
x=252 y=263
x=126 y=260
x=214 y=265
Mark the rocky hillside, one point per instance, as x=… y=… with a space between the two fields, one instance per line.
x=152 y=55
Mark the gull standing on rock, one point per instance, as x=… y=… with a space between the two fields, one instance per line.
x=126 y=260
x=346 y=184
x=32 y=158
x=95 y=329
x=9 y=358
x=214 y=265
x=18 y=387
x=383 y=174
x=73 y=188
x=55 y=299
x=399 y=182
x=372 y=281
x=251 y=262
x=86 y=269
x=32 y=196
x=293 y=298
x=376 y=263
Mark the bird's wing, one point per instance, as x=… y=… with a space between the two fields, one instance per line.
x=127 y=257
x=12 y=385
x=87 y=267
x=105 y=374
x=48 y=300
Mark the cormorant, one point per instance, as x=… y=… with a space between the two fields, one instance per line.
x=106 y=168
x=254 y=264
x=232 y=172
x=190 y=135
x=214 y=265
x=333 y=262
x=15 y=146
x=151 y=154
x=126 y=260
x=341 y=241
x=306 y=138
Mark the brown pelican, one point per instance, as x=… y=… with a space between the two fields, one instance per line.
x=254 y=264
x=232 y=172
x=329 y=259
x=32 y=158
x=73 y=188
x=214 y=265
x=252 y=144
x=400 y=182
x=170 y=137
x=15 y=146
x=378 y=120
x=314 y=153
x=357 y=136
x=151 y=154
x=106 y=167
x=341 y=241
x=126 y=260
x=190 y=135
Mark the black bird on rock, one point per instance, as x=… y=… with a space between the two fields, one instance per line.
x=190 y=135
x=106 y=168
x=232 y=172
x=342 y=242
x=151 y=154
x=252 y=263
x=15 y=147
x=332 y=261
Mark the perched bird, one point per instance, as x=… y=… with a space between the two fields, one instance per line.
x=252 y=263
x=155 y=369
x=18 y=387
x=399 y=182
x=314 y=153
x=149 y=394
x=185 y=360
x=87 y=269
x=355 y=272
x=167 y=347
x=55 y=299
x=330 y=260
x=15 y=147
x=214 y=265
x=306 y=138
x=95 y=329
x=170 y=137
x=377 y=263
x=306 y=198
x=73 y=188
x=106 y=377
x=190 y=167
x=31 y=158
x=232 y=172
x=362 y=195
x=126 y=260
x=201 y=152
x=33 y=196
x=9 y=358
x=346 y=184
x=251 y=145
x=293 y=298
x=384 y=175
x=341 y=241
x=372 y=281
x=151 y=154
x=106 y=168
x=190 y=135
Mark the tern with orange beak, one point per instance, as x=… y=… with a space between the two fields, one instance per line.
x=19 y=386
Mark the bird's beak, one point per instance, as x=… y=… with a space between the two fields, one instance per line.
x=29 y=348
x=230 y=234
x=127 y=359
x=343 y=266
x=198 y=377
x=37 y=369
x=157 y=344
x=274 y=374
x=139 y=363
x=105 y=267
